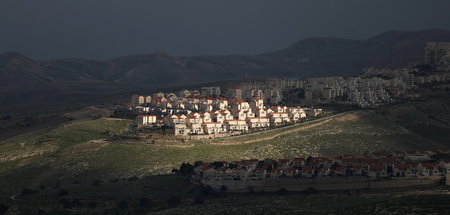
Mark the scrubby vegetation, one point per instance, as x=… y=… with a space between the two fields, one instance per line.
x=49 y=161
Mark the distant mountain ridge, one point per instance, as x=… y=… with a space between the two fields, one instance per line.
x=310 y=57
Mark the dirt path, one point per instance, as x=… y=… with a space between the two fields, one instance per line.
x=299 y=127
x=174 y=146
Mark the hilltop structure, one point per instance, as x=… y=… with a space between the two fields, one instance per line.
x=193 y=114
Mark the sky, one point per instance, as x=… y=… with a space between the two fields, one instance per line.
x=104 y=29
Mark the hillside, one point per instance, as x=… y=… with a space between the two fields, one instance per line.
x=41 y=90
x=79 y=148
x=308 y=57
x=76 y=154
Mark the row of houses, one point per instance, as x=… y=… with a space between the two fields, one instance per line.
x=226 y=116
x=375 y=167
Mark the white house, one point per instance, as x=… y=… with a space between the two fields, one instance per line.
x=143 y=120
x=279 y=108
x=261 y=112
x=307 y=172
x=137 y=100
x=239 y=104
x=216 y=116
x=257 y=122
x=239 y=114
x=403 y=170
x=324 y=171
x=445 y=166
x=206 y=117
x=213 y=128
x=277 y=118
x=377 y=171
x=172 y=120
x=249 y=113
x=181 y=129
x=195 y=125
x=184 y=93
x=220 y=103
x=148 y=99
x=206 y=107
x=256 y=103
x=428 y=169
x=258 y=174
x=295 y=113
x=291 y=173
x=236 y=125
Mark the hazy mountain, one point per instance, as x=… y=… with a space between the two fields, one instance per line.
x=308 y=57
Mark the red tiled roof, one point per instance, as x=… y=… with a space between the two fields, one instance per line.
x=428 y=165
x=391 y=159
x=377 y=167
x=283 y=160
x=292 y=170
x=297 y=164
x=238 y=100
x=340 y=168
x=349 y=160
x=368 y=160
x=307 y=170
x=402 y=166
x=277 y=170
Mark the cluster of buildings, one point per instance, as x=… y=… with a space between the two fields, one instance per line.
x=206 y=112
x=380 y=165
x=374 y=87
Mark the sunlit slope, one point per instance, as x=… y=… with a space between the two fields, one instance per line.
x=78 y=150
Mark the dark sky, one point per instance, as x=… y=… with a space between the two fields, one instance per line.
x=100 y=29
